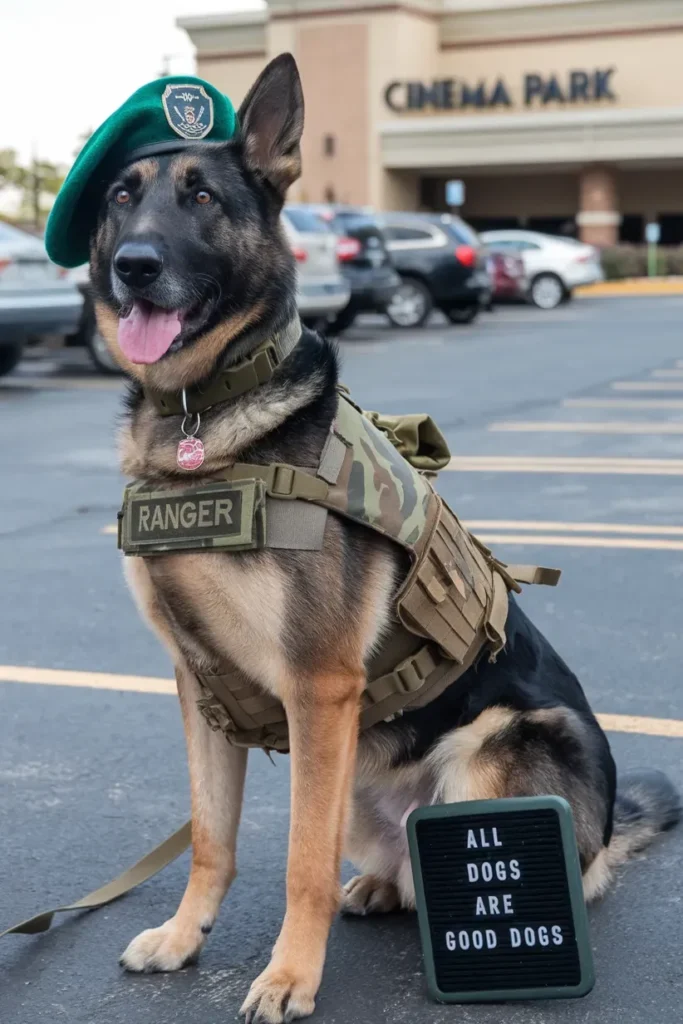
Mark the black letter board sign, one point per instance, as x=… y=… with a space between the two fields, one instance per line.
x=500 y=900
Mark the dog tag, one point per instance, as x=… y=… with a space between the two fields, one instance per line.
x=500 y=900
x=190 y=453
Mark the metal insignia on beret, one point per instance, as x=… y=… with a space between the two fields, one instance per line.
x=189 y=110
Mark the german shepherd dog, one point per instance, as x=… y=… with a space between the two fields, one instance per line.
x=206 y=275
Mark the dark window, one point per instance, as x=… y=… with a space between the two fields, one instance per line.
x=632 y=228
x=399 y=233
x=563 y=226
x=329 y=145
x=495 y=223
x=304 y=220
x=671 y=225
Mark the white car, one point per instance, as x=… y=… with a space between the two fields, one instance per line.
x=554 y=265
x=36 y=296
x=322 y=290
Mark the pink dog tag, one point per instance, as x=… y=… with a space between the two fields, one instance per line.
x=190 y=453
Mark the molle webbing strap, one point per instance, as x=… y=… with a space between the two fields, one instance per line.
x=257 y=369
x=332 y=456
x=150 y=865
x=248 y=715
x=282 y=481
x=293 y=521
x=537 y=574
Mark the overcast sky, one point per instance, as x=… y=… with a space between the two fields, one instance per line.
x=65 y=65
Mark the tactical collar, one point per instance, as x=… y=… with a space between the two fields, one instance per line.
x=256 y=369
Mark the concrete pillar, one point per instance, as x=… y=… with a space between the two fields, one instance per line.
x=598 y=218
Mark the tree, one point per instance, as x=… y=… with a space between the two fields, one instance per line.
x=39 y=178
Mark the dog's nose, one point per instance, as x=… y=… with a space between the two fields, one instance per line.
x=137 y=264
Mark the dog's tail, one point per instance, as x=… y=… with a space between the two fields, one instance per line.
x=647 y=803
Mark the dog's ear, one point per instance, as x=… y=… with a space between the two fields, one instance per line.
x=271 y=122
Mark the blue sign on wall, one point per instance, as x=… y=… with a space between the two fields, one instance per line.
x=455 y=193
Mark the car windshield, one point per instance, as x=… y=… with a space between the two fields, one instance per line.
x=461 y=231
x=354 y=222
x=306 y=221
x=10 y=234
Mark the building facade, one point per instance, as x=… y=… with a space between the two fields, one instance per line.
x=559 y=115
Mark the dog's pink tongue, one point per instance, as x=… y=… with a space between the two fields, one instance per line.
x=148 y=332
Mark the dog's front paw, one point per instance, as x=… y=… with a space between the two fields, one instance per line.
x=279 y=995
x=367 y=894
x=163 y=949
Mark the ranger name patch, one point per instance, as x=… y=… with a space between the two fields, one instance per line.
x=218 y=515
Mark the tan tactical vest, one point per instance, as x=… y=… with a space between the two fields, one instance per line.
x=452 y=605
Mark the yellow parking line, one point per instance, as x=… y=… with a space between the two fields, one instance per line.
x=91 y=680
x=623 y=403
x=564 y=464
x=646 y=385
x=608 y=427
x=528 y=524
x=646 y=726
x=558 y=540
x=669 y=727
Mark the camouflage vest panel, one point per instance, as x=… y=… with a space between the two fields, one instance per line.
x=451 y=607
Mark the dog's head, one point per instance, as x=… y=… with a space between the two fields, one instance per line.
x=189 y=255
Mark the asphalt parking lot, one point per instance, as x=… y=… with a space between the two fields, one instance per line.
x=566 y=430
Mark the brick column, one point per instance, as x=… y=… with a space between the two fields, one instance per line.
x=598 y=218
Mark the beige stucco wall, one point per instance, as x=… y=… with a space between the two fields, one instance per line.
x=333 y=63
x=648 y=71
x=234 y=75
x=349 y=52
x=400 y=40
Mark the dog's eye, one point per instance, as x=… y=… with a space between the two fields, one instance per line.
x=203 y=197
x=122 y=196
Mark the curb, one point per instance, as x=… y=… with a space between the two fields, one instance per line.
x=632 y=286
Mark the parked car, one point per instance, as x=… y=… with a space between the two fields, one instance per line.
x=363 y=260
x=554 y=265
x=322 y=290
x=508 y=277
x=36 y=296
x=442 y=264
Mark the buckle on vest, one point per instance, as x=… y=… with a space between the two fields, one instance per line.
x=411 y=675
x=282 y=484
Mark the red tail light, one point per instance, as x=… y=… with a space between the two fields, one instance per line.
x=4 y=264
x=466 y=255
x=300 y=255
x=348 y=249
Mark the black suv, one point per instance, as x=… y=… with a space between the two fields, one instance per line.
x=442 y=264
x=363 y=260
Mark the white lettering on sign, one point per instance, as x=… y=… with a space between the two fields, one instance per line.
x=536 y=936
x=494 y=907
x=504 y=871
x=478 y=938
x=482 y=843
x=211 y=513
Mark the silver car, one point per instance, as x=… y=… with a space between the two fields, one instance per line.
x=36 y=296
x=322 y=290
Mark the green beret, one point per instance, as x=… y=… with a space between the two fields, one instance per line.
x=164 y=116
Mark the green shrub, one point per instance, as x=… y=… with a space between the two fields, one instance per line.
x=620 y=261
